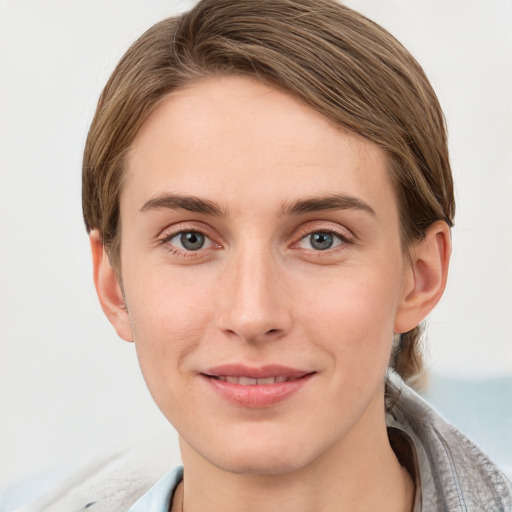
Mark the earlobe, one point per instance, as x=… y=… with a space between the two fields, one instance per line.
x=108 y=289
x=424 y=277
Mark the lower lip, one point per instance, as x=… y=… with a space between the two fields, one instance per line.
x=257 y=396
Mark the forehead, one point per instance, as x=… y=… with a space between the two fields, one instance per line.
x=241 y=140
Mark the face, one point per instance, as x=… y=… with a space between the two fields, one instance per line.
x=263 y=276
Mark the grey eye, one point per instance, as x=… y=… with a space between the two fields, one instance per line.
x=320 y=241
x=192 y=240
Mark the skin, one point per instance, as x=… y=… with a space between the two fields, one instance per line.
x=259 y=292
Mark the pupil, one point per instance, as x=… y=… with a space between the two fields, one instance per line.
x=321 y=241
x=192 y=240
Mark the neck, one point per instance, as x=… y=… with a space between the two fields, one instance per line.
x=361 y=472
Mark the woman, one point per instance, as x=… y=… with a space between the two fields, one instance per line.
x=269 y=200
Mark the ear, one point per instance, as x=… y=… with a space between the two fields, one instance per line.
x=425 y=277
x=108 y=288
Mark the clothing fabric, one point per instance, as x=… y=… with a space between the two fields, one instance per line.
x=159 y=497
x=451 y=473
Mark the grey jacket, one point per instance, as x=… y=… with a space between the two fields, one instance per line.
x=451 y=473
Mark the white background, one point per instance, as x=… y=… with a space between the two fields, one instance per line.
x=69 y=390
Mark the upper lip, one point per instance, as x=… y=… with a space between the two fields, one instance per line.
x=262 y=372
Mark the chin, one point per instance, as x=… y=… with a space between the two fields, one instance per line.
x=260 y=455
x=262 y=463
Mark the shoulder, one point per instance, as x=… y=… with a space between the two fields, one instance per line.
x=454 y=474
x=112 y=484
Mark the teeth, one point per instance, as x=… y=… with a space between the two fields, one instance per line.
x=268 y=380
x=248 y=381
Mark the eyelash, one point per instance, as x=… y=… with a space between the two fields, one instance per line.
x=307 y=232
x=183 y=253
x=342 y=237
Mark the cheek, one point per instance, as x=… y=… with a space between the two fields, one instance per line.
x=168 y=320
x=355 y=314
x=165 y=306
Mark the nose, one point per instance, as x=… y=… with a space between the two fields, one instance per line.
x=253 y=304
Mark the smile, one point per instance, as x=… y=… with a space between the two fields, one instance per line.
x=249 y=381
x=256 y=387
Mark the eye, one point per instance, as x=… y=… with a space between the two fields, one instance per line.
x=189 y=241
x=321 y=241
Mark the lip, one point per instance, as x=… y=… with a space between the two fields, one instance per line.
x=256 y=395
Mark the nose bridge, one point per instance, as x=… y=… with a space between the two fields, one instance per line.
x=253 y=306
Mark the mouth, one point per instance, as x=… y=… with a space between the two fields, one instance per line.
x=256 y=387
x=249 y=381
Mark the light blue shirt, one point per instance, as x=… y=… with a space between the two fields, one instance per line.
x=158 y=498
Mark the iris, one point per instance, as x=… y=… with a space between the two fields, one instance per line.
x=192 y=240
x=321 y=240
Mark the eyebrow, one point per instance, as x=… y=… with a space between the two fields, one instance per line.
x=183 y=202
x=299 y=207
x=328 y=202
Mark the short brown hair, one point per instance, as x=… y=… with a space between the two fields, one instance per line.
x=328 y=56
